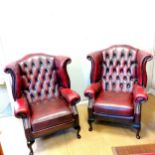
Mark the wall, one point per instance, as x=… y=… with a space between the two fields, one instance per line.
x=153 y=71
x=74 y=28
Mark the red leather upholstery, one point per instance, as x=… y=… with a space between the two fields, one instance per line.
x=118 y=75
x=44 y=115
x=41 y=89
x=93 y=90
x=118 y=69
x=107 y=103
x=69 y=95
x=38 y=78
x=139 y=94
x=21 y=108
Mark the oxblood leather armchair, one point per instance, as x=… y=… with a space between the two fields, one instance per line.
x=44 y=100
x=118 y=77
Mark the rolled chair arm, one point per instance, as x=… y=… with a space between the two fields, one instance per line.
x=93 y=90
x=139 y=94
x=69 y=95
x=21 y=108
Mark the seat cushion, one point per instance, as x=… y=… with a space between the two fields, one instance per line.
x=114 y=103
x=50 y=113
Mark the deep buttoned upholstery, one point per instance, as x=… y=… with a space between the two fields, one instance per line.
x=39 y=78
x=44 y=100
x=119 y=69
x=118 y=77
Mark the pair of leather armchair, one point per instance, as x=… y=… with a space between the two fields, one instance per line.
x=46 y=103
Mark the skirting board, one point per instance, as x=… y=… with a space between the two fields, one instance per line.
x=151 y=91
x=85 y=101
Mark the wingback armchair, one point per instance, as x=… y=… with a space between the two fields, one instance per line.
x=42 y=94
x=118 y=77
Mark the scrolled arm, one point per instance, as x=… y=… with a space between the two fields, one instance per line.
x=69 y=95
x=21 y=108
x=142 y=58
x=93 y=90
x=139 y=94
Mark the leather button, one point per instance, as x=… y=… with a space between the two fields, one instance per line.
x=48 y=62
x=121 y=70
x=128 y=85
x=114 y=84
x=121 y=85
x=43 y=77
x=50 y=76
x=29 y=81
x=111 y=63
x=114 y=55
x=32 y=64
x=32 y=96
x=33 y=87
x=125 y=63
x=25 y=65
x=46 y=70
x=38 y=70
x=41 y=85
x=39 y=93
x=104 y=77
x=36 y=79
x=118 y=63
x=104 y=62
x=125 y=78
x=41 y=63
x=117 y=77
x=122 y=54
x=130 y=54
x=131 y=77
x=107 y=70
x=132 y=63
x=106 y=85
x=114 y=69
x=128 y=70
x=30 y=71
x=48 y=84
x=107 y=55
x=46 y=92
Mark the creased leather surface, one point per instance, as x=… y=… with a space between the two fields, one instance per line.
x=50 y=113
x=114 y=103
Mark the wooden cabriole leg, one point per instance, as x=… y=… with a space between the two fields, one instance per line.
x=78 y=128
x=137 y=134
x=76 y=123
x=90 y=114
x=29 y=144
x=137 y=123
x=90 y=125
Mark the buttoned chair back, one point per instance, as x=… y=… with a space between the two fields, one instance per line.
x=44 y=99
x=118 y=77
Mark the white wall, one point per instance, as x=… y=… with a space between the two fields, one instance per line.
x=74 y=28
x=153 y=70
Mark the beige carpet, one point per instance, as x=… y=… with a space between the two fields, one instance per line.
x=101 y=140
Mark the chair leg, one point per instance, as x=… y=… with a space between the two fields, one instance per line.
x=29 y=144
x=78 y=128
x=90 y=125
x=137 y=134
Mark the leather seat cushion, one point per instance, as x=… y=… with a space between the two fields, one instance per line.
x=114 y=103
x=50 y=113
